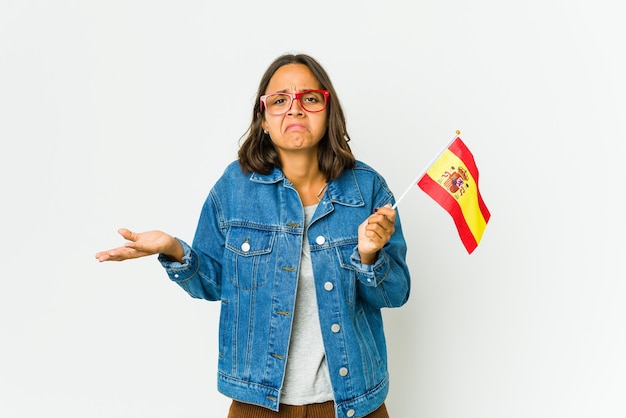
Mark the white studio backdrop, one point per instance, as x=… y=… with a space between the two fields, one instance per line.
x=124 y=113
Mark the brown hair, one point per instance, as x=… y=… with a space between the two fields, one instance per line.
x=257 y=152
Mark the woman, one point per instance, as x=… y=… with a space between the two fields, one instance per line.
x=299 y=242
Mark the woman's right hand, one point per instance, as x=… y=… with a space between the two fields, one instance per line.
x=141 y=244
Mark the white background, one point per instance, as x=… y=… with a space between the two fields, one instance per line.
x=124 y=113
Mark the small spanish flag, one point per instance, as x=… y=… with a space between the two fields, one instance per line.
x=452 y=181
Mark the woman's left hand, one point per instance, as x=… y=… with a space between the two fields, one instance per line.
x=374 y=233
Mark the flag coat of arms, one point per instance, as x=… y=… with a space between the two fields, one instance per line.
x=452 y=181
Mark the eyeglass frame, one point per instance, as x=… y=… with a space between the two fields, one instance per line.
x=297 y=96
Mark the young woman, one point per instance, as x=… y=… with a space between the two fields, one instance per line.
x=299 y=243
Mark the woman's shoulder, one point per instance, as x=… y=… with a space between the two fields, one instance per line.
x=361 y=168
x=367 y=181
x=233 y=168
x=362 y=173
x=232 y=174
x=233 y=171
x=360 y=165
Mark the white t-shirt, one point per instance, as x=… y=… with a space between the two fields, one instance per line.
x=306 y=379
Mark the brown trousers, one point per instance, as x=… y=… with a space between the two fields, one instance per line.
x=319 y=410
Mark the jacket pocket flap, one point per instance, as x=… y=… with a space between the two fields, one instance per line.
x=249 y=242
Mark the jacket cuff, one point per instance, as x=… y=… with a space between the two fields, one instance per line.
x=370 y=274
x=180 y=271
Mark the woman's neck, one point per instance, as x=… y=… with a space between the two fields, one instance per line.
x=307 y=178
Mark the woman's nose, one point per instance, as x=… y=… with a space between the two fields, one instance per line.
x=295 y=108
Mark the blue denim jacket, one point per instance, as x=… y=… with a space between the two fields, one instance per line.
x=246 y=254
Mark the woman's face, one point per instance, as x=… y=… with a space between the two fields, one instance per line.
x=297 y=130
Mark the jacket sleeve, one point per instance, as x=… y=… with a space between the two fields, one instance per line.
x=387 y=282
x=200 y=273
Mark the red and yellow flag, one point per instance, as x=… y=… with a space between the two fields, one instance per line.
x=452 y=181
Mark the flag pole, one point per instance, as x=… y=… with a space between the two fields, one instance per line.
x=419 y=177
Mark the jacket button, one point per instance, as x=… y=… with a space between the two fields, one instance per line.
x=320 y=240
x=245 y=247
x=350 y=413
x=328 y=286
x=343 y=371
x=335 y=328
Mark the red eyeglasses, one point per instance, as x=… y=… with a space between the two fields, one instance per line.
x=278 y=104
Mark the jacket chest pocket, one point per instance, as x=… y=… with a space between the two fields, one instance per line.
x=248 y=256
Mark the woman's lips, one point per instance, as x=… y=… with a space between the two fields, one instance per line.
x=296 y=127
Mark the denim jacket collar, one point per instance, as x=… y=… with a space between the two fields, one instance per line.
x=344 y=190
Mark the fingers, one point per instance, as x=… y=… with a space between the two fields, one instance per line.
x=119 y=254
x=375 y=232
x=387 y=212
x=114 y=254
x=102 y=256
x=127 y=234
x=122 y=253
x=132 y=238
x=381 y=225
